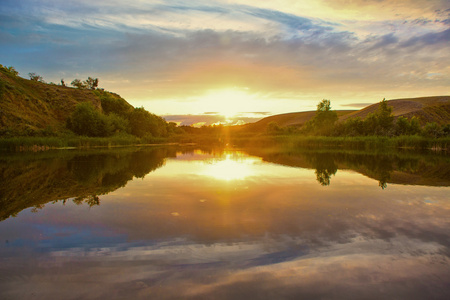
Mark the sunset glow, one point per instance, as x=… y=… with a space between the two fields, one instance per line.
x=187 y=59
x=227 y=102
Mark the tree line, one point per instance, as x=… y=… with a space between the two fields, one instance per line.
x=118 y=117
x=379 y=123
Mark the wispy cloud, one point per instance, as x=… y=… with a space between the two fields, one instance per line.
x=174 y=51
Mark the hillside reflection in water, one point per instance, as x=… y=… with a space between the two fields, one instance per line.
x=255 y=224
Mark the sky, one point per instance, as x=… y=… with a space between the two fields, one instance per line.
x=234 y=61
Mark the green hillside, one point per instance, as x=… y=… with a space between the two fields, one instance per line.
x=29 y=107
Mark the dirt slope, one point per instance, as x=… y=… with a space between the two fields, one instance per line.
x=427 y=109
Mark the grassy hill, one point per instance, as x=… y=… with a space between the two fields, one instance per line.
x=30 y=107
x=427 y=109
x=296 y=119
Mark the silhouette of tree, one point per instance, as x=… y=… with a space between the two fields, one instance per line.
x=91 y=83
x=78 y=84
x=35 y=77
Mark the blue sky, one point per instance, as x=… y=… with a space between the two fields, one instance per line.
x=241 y=59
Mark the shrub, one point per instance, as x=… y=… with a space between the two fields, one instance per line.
x=143 y=123
x=85 y=120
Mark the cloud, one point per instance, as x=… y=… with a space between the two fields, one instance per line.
x=161 y=50
x=385 y=41
x=428 y=39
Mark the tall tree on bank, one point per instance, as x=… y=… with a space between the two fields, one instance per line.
x=381 y=122
x=323 y=121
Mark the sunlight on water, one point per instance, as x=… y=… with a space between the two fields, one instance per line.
x=165 y=223
x=233 y=167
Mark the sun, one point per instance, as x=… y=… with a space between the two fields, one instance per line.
x=227 y=102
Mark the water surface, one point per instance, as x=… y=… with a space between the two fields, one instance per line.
x=224 y=224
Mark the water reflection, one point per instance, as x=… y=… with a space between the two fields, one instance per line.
x=35 y=179
x=292 y=225
x=395 y=167
x=231 y=166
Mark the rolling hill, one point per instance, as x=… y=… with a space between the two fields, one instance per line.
x=427 y=109
x=296 y=119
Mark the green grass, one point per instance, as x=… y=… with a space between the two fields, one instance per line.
x=364 y=143
x=357 y=143
x=46 y=143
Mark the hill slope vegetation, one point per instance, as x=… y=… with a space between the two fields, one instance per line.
x=425 y=109
x=35 y=108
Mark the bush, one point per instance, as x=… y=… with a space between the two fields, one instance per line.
x=407 y=127
x=432 y=130
x=11 y=70
x=85 y=120
x=111 y=104
x=118 y=124
x=143 y=123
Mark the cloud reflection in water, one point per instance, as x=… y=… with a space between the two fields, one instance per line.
x=274 y=233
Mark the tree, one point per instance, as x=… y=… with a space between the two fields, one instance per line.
x=87 y=121
x=404 y=126
x=35 y=77
x=385 y=117
x=10 y=70
x=432 y=130
x=78 y=84
x=91 y=83
x=325 y=117
x=143 y=123
x=273 y=128
x=380 y=122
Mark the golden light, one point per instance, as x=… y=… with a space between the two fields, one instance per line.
x=233 y=167
x=227 y=102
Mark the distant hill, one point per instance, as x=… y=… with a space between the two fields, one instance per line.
x=296 y=119
x=427 y=109
x=30 y=107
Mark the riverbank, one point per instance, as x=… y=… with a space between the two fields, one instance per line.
x=358 y=143
x=296 y=141
x=73 y=142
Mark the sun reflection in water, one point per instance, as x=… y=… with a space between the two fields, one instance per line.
x=235 y=166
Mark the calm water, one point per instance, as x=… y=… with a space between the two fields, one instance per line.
x=169 y=223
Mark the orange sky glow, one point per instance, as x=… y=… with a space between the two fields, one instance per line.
x=236 y=60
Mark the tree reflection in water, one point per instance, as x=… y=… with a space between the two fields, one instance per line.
x=325 y=167
x=390 y=167
x=33 y=180
x=183 y=233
